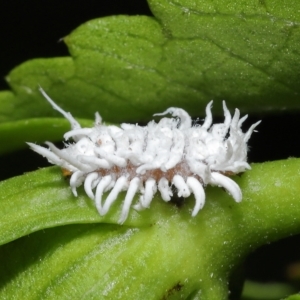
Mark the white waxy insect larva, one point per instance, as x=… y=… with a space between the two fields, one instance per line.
x=228 y=184
x=110 y=186
x=69 y=159
x=67 y=115
x=183 y=190
x=111 y=158
x=98 y=118
x=242 y=120
x=111 y=198
x=165 y=190
x=198 y=190
x=53 y=158
x=227 y=115
x=132 y=189
x=208 y=119
x=249 y=132
x=103 y=184
x=88 y=183
x=152 y=158
x=185 y=119
x=235 y=120
x=150 y=190
x=76 y=180
x=80 y=131
x=176 y=151
x=94 y=162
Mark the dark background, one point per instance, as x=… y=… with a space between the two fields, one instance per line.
x=32 y=28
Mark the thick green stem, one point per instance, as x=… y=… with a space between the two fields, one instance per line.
x=159 y=253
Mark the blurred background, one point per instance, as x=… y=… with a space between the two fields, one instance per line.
x=33 y=28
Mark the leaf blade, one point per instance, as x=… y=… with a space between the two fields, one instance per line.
x=131 y=67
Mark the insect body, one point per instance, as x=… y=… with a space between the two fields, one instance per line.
x=152 y=158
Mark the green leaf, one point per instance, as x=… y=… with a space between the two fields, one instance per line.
x=247 y=49
x=293 y=297
x=267 y=291
x=27 y=102
x=14 y=135
x=128 y=68
x=40 y=200
x=166 y=248
x=104 y=261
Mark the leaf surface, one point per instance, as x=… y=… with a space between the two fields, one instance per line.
x=14 y=135
x=128 y=68
x=184 y=255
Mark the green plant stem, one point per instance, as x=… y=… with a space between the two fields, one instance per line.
x=198 y=253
